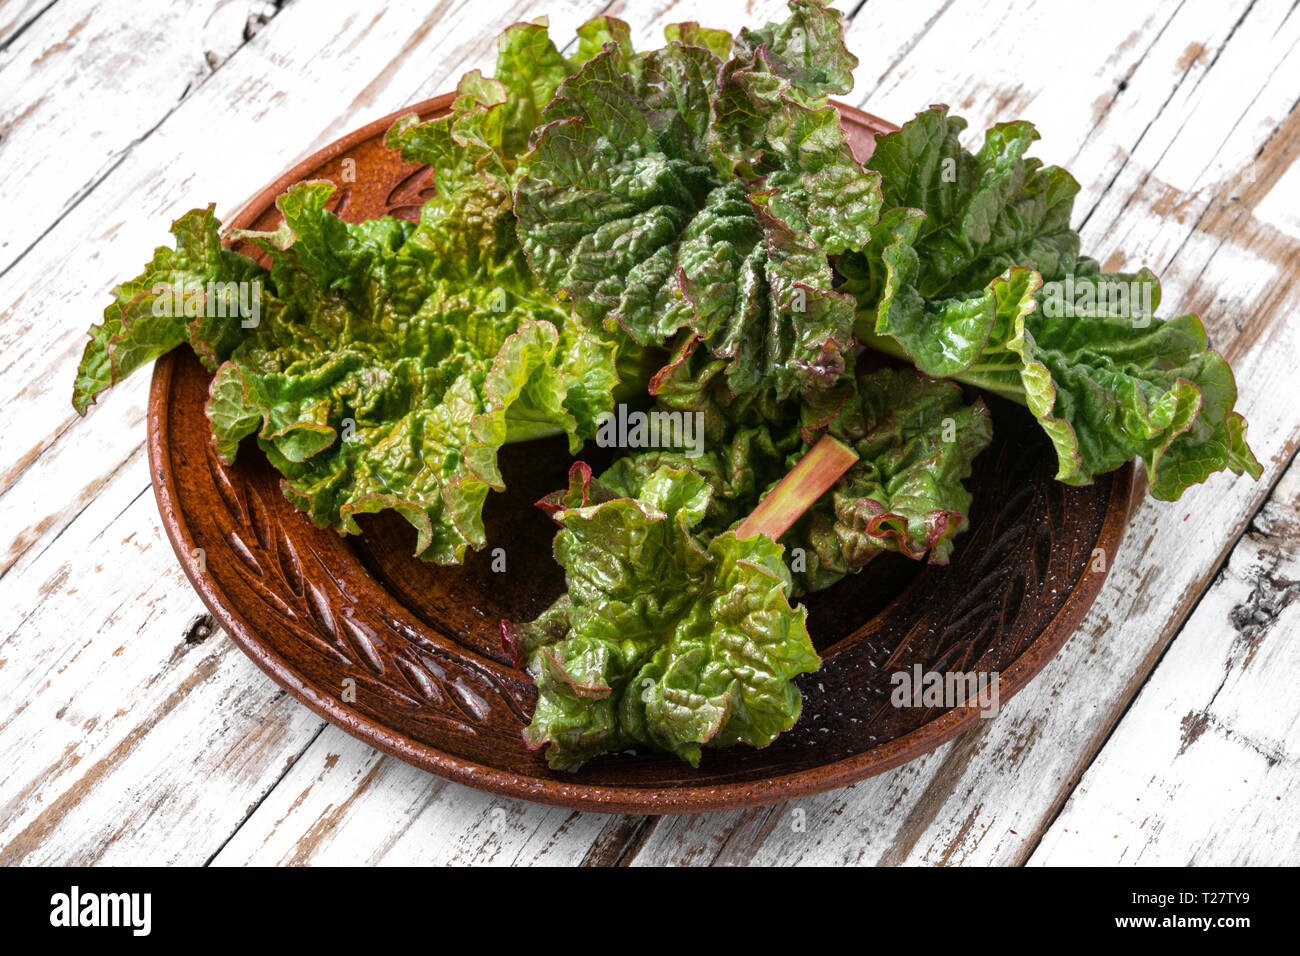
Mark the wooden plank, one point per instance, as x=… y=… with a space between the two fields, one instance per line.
x=986 y=797
x=17 y=16
x=70 y=126
x=1204 y=768
x=1123 y=79
x=345 y=804
x=122 y=742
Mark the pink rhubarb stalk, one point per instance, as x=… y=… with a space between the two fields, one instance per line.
x=794 y=494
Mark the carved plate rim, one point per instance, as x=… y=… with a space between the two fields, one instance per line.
x=573 y=793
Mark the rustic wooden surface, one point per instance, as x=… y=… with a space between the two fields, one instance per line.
x=130 y=732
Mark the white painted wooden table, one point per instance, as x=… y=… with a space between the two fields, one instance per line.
x=1165 y=732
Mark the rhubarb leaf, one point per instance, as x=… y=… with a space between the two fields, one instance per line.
x=916 y=439
x=956 y=221
x=1108 y=380
x=674 y=194
x=391 y=360
x=662 y=640
x=167 y=304
x=807 y=49
x=411 y=362
x=975 y=274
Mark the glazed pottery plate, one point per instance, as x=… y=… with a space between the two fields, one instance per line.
x=406 y=656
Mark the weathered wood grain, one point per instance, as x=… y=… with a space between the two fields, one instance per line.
x=122 y=743
x=72 y=123
x=17 y=15
x=1204 y=768
x=344 y=804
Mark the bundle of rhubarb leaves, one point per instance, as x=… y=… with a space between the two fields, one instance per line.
x=686 y=227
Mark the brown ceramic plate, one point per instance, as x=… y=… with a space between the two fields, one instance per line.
x=405 y=655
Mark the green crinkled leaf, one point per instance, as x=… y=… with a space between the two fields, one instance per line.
x=819 y=189
x=531 y=69
x=390 y=361
x=633 y=203
x=916 y=439
x=492 y=118
x=662 y=641
x=717 y=42
x=317 y=252
x=807 y=49
x=664 y=607
x=956 y=221
x=952 y=279
x=167 y=304
x=984 y=211
x=406 y=371
x=1109 y=381
x=596 y=34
